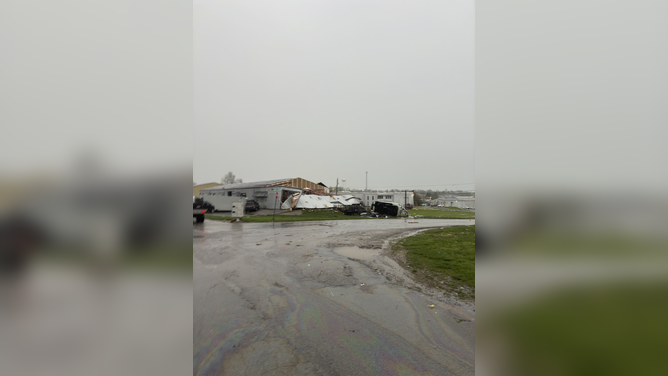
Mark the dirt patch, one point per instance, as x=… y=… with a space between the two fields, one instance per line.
x=429 y=281
x=396 y=270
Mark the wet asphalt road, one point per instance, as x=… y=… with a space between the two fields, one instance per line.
x=298 y=298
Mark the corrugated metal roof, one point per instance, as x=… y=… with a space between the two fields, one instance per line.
x=255 y=184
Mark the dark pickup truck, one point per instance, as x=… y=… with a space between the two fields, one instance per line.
x=208 y=206
x=389 y=208
x=198 y=210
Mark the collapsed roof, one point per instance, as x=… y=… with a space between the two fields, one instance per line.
x=306 y=201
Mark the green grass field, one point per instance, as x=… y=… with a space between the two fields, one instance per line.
x=443 y=258
x=442 y=213
x=306 y=215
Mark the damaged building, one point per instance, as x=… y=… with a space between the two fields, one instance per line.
x=269 y=194
x=308 y=199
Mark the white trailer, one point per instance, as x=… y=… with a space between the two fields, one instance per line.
x=221 y=201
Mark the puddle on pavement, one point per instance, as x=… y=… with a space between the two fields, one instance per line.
x=356 y=252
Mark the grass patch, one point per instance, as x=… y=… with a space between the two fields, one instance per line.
x=306 y=215
x=451 y=208
x=443 y=258
x=443 y=213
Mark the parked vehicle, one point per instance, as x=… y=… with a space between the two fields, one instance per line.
x=251 y=206
x=209 y=207
x=198 y=209
x=389 y=208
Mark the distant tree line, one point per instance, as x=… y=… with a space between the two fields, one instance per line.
x=230 y=178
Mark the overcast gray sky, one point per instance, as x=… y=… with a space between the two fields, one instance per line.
x=327 y=89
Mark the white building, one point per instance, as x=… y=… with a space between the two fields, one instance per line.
x=402 y=198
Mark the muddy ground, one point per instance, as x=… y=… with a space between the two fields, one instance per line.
x=398 y=272
x=321 y=298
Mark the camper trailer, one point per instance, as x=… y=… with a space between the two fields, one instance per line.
x=222 y=201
